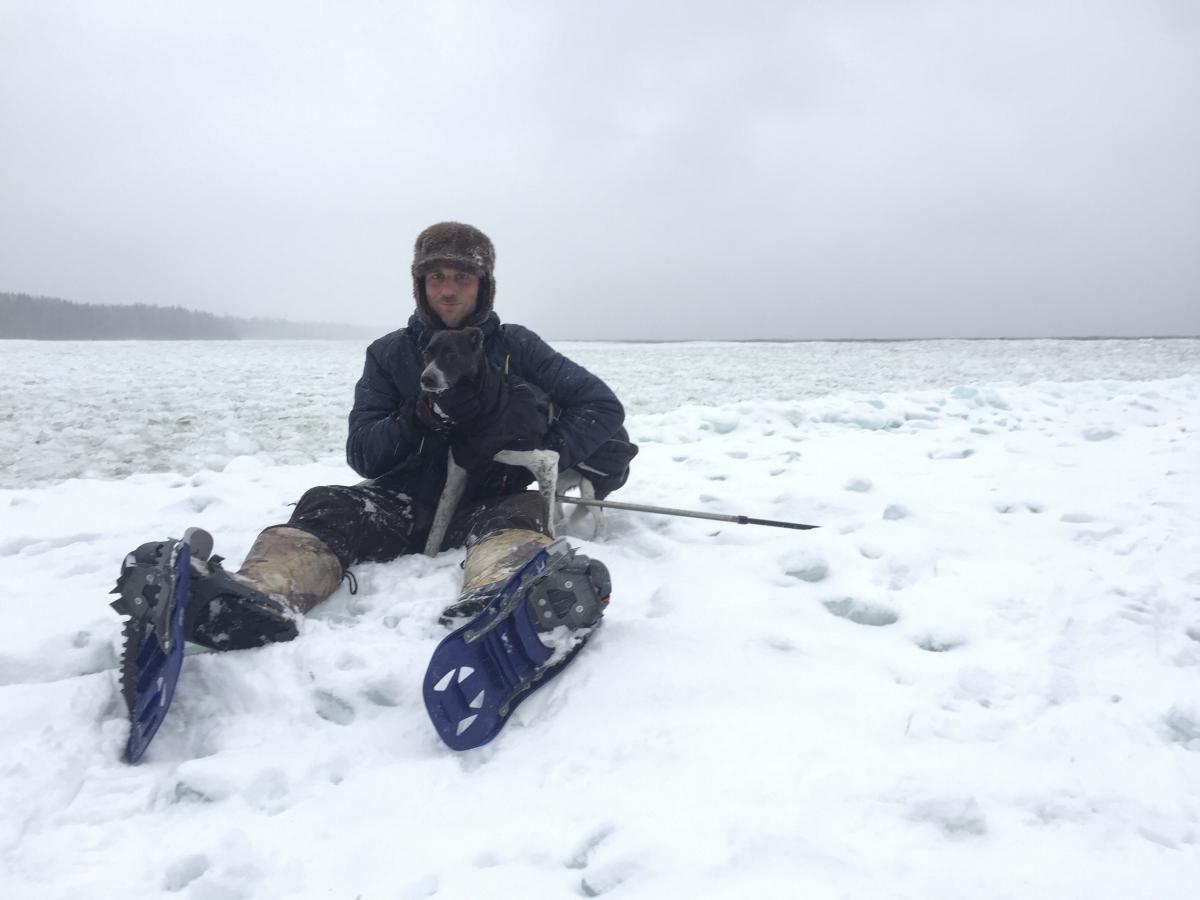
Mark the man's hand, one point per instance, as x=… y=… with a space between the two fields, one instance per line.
x=429 y=416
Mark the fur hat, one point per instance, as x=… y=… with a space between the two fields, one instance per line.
x=463 y=247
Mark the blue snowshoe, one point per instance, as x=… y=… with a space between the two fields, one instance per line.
x=153 y=587
x=534 y=624
x=174 y=592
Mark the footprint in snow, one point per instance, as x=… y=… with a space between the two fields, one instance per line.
x=858 y=485
x=896 y=511
x=658 y=605
x=934 y=643
x=348 y=660
x=387 y=693
x=333 y=709
x=270 y=792
x=580 y=858
x=805 y=566
x=862 y=612
x=781 y=645
x=904 y=574
x=1004 y=508
x=1098 y=433
x=1077 y=518
x=201 y=503
x=1183 y=727
x=811 y=573
x=599 y=881
x=36 y=546
x=952 y=453
x=956 y=819
x=184 y=871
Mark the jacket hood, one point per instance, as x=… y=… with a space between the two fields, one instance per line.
x=422 y=330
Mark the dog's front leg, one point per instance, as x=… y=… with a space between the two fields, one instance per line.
x=456 y=482
x=544 y=466
x=587 y=491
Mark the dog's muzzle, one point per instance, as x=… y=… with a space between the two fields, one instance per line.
x=433 y=380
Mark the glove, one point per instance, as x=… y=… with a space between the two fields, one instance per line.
x=457 y=406
x=429 y=416
x=608 y=467
x=516 y=419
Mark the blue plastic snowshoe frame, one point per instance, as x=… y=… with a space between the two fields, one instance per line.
x=480 y=672
x=154 y=641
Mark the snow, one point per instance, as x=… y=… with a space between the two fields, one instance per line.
x=978 y=678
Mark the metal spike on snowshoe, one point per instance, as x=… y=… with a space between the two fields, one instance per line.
x=131 y=634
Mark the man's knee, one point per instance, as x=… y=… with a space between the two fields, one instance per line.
x=524 y=511
x=357 y=522
x=325 y=501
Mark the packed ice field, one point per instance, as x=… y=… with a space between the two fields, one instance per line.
x=979 y=678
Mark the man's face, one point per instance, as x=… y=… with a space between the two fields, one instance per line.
x=452 y=293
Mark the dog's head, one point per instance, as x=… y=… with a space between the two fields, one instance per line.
x=452 y=356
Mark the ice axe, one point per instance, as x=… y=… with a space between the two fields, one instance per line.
x=689 y=513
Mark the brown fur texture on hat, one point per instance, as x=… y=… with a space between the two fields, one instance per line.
x=461 y=247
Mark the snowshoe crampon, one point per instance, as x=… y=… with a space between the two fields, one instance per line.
x=533 y=626
x=153 y=588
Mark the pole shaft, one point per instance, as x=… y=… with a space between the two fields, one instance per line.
x=687 y=513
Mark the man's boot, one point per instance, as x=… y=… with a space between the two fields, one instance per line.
x=286 y=573
x=575 y=596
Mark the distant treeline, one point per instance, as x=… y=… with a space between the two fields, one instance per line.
x=48 y=318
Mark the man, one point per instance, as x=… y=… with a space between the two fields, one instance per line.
x=400 y=444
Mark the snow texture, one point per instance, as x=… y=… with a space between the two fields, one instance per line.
x=978 y=678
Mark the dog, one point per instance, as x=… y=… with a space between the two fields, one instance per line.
x=453 y=357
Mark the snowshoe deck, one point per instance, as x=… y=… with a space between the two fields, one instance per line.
x=153 y=590
x=480 y=673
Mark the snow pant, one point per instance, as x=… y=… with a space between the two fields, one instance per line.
x=369 y=522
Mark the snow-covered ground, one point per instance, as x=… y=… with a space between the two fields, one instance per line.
x=979 y=678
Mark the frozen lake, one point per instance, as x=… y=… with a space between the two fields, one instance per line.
x=110 y=409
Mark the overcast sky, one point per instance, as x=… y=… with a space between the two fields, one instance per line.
x=647 y=170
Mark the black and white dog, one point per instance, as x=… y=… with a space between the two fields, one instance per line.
x=455 y=359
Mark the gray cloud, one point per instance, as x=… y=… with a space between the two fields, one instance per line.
x=686 y=170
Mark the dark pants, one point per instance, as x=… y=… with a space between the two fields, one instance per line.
x=370 y=522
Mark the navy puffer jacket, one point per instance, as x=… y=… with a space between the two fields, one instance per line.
x=388 y=443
